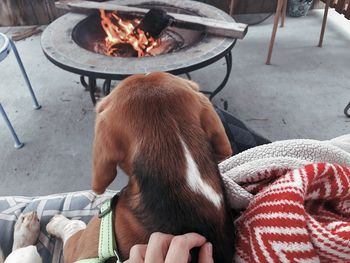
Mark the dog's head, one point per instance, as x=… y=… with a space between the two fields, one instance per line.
x=139 y=102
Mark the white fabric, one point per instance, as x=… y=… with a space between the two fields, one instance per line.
x=25 y=254
x=289 y=154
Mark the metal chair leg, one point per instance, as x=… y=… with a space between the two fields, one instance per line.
x=18 y=143
x=347 y=110
x=36 y=104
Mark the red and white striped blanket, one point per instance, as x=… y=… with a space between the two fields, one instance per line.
x=303 y=216
x=294 y=198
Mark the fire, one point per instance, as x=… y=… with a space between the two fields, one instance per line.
x=120 y=31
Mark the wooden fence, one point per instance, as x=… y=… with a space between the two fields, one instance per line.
x=26 y=12
x=40 y=12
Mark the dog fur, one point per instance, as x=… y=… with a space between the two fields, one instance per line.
x=167 y=137
x=26 y=233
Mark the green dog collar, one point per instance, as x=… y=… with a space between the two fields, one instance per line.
x=107 y=247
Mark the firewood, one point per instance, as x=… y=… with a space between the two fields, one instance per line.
x=24 y=34
x=209 y=25
x=154 y=22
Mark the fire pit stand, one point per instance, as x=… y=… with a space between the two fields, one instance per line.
x=90 y=84
x=63 y=50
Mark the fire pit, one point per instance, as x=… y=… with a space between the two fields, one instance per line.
x=76 y=42
x=90 y=35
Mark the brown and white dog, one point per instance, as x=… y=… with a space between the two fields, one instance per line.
x=167 y=137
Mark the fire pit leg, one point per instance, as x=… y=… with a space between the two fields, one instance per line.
x=92 y=89
x=106 y=88
x=228 y=58
x=83 y=82
x=89 y=86
x=188 y=76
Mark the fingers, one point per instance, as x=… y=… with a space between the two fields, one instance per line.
x=206 y=253
x=171 y=249
x=179 y=250
x=158 y=247
x=137 y=254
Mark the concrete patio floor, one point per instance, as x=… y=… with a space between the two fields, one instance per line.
x=301 y=95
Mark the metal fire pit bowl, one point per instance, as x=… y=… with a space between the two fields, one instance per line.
x=60 y=48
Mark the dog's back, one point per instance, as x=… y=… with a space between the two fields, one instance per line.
x=174 y=139
x=181 y=189
x=177 y=197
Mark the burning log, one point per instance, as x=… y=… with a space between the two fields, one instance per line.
x=211 y=26
x=154 y=22
x=120 y=32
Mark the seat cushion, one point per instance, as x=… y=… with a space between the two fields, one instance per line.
x=75 y=205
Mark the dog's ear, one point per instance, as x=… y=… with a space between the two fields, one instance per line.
x=106 y=155
x=214 y=130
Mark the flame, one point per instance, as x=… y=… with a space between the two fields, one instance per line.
x=123 y=31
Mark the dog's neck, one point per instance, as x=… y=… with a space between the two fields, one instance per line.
x=174 y=188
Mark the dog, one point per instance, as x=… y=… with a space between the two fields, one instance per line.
x=26 y=233
x=166 y=136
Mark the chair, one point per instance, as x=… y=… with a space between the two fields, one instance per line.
x=280 y=12
x=347 y=110
x=343 y=8
x=6 y=45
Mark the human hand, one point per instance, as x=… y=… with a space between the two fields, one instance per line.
x=165 y=248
